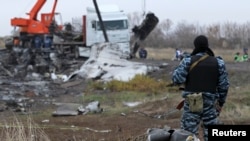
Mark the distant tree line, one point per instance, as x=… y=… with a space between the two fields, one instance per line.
x=181 y=35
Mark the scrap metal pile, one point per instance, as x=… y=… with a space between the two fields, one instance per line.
x=25 y=75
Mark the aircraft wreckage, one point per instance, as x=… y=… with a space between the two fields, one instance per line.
x=33 y=71
x=26 y=76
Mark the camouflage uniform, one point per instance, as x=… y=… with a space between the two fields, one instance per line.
x=190 y=121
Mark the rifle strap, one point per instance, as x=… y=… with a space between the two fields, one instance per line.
x=199 y=60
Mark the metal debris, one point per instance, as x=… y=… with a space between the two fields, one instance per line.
x=73 y=109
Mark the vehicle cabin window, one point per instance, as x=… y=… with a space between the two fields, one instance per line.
x=113 y=25
x=93 y=23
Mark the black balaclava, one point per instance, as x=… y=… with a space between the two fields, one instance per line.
x=201 y=45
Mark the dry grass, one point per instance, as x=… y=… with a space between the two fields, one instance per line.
x=168 y=53
x=17 y=130
x=236 y=109
x=150 y=85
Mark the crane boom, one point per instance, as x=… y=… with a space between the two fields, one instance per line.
x=36 y=8
x=53 y=10
x=32 y=25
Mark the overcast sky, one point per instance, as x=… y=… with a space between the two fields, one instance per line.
x=192 y=11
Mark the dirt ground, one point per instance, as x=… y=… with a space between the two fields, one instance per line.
x=130 y=125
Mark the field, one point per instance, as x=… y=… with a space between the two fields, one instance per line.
x=122 y=123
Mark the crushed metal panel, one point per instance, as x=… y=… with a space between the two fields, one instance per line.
x=73 y=109
x=108 y=62
x=70 y=84
x=67 y=109
x=124 y=73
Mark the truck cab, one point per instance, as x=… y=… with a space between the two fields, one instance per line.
x=115 y=22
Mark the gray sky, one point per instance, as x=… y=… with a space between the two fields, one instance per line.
x=203 y=12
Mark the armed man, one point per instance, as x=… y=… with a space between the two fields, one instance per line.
x=206 y=85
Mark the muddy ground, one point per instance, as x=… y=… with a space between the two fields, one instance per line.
x=131 y=124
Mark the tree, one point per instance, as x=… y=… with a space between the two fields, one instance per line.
x=184 y=35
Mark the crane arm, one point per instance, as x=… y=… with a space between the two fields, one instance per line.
x=36 y=8
x=53 y=9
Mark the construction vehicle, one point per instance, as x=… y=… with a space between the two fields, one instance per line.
x=30 y=27
x=115 y=29
x=105 y=23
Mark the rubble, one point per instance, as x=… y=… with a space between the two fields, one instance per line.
x=29 y=78
x=106 y=62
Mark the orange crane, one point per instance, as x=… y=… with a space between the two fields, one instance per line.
x=32 y=25
x=29 y=27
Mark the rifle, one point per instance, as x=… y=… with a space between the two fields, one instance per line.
x=180 y=105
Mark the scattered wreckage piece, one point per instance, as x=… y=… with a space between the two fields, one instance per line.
x=73 y=109
x=169 y=134
x=105 y=63
x=6 y=70
x=17 y=97
x=142 y=31
x=21 y=104
x=71 y=83
x=147 y=25
x=22 y=96
x=21 y=62
x=27 y=65
x=67 y=109
x=132 y=104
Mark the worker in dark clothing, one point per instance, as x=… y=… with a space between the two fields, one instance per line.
x=143 y=53
x=47 y=42
x=245 y=54
x=206 y=86
x=16 y=41
x=38 y=42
